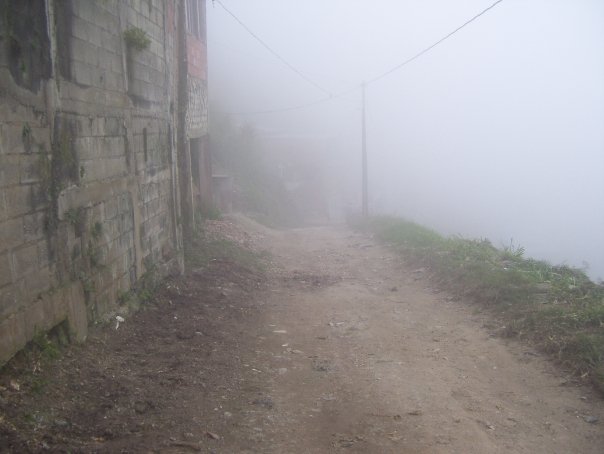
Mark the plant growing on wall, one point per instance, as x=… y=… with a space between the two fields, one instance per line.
x=137 y=38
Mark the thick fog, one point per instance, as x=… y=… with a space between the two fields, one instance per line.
x=498 y=132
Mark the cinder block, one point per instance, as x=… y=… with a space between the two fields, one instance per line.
x=80 y=28
x=39 y=318
x=33 y=226
x=114 y=126
x=11 y=234
x=94 y=36
x=114 y=81
x=18 y=200
x=5 y=270
x=29 y=168
x=111 y=208
x=94 y=170
x=3 y=207
x=110 y=41
x=83 y=73
x=85 y=148
x=25 y=260
x=113 y=146
x=43 y=257
x=9 y=170
x=9 y=301
x=12 y=138
x=10 y=341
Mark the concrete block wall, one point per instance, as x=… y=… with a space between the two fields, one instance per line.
x=88 y=202
x=25 y=271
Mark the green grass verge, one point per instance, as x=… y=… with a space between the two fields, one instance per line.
x=557 y=308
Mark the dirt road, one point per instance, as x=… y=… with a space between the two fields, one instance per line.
x=341 y=349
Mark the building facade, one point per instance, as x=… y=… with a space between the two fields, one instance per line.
x=103 y=155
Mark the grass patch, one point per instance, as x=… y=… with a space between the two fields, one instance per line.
x=206 y=248
x=557 y=308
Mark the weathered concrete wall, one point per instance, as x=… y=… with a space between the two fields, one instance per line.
x=89 y=199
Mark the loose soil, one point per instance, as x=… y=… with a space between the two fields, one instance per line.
x=339 y=347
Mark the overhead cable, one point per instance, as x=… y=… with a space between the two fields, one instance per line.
x=297 y=107
x=279 y=57
x=372 y=80
x=432 y=46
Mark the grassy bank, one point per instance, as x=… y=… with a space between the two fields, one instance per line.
x=556 y=308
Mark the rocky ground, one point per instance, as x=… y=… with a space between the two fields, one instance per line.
x=337 y=346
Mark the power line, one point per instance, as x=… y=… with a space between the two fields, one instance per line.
x=429 y=48
x=283 y=60
x=374 y=79
x=284 y=109
x=297 y=107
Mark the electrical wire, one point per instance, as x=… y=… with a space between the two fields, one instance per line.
x=279 y=57
x=370 y=81
x=285 y=109
x=432 y=46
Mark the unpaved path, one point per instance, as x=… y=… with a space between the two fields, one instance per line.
x=374 y=361
x=339 y=349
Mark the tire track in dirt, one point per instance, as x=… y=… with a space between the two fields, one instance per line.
x=403 y=368
x=339 y=348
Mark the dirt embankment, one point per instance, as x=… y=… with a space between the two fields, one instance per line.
x=337 y=347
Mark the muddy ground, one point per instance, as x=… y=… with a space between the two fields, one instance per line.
x=337 y=347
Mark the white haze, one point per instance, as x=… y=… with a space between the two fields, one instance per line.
x=498 y=132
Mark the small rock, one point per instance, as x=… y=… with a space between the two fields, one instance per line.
x=141 y=407
x=321 y=366
x=213 y=436
x=414 y=412
x=591 y=419
x=346 y=442
x=265 y=402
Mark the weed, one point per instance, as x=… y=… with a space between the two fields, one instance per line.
x=207 y=212
x=26 y=137
x=558 y=308
x=38 y=384
x=75 y=216
x=137 y=38
x=124 y=298
x=206 y=249
x=46 y=347
x=26 y=132
x=97 y=230
x=87 y=286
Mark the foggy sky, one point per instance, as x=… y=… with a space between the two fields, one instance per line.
x=498 y=132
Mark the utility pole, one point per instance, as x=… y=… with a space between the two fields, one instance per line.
x=364 y=159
